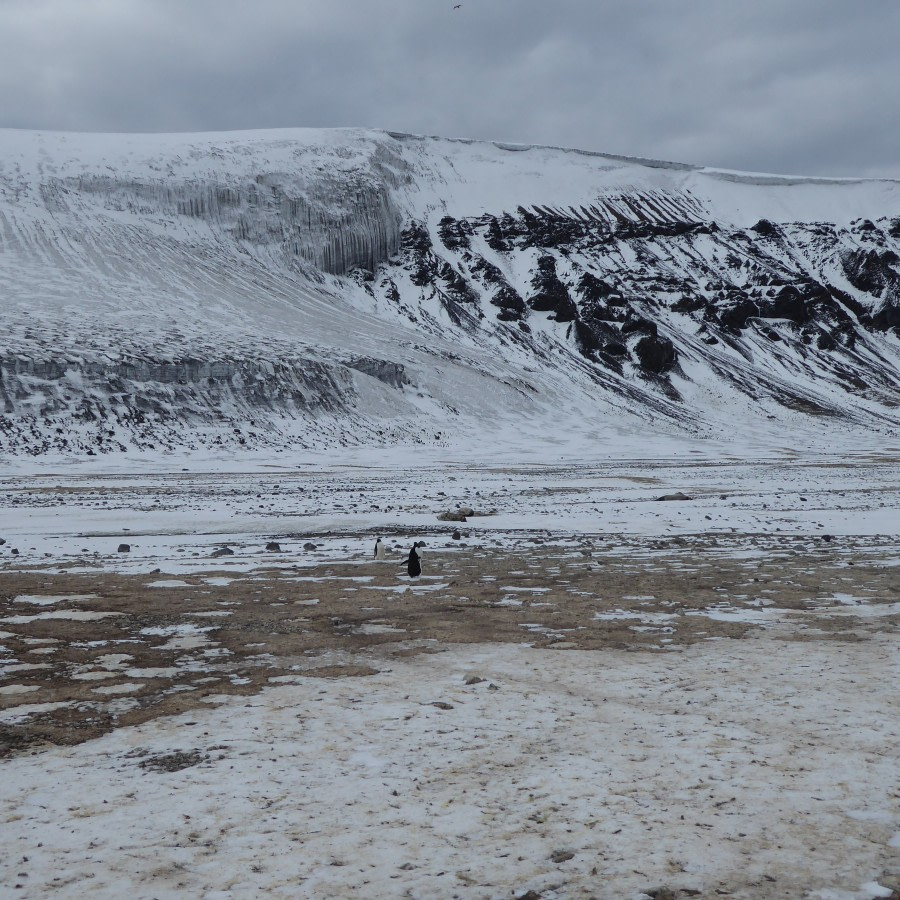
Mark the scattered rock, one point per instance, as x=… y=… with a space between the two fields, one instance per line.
x=661 y=893
x=222 y=551
x=456 y=536
x=461 y=513
x=676 y=496
x=124 y=548
x=440 y=704
x=14 y=551
x=173 y=762
x=2 y=541
x=274 y=546
x=561 y=856
x=475 y=679
x=309 y=545
x=529 y=895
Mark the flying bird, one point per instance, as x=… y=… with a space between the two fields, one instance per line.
x=458 y=5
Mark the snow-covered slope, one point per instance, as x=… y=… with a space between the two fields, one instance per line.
x=316 y=287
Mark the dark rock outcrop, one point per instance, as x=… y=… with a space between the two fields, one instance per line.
x=550 y=294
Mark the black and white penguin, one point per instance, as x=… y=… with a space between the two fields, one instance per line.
x=413 y=566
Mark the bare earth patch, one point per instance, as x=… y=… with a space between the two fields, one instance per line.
x=86 y=653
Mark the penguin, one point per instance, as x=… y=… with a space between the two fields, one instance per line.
x=379 y=549
x=413 y=566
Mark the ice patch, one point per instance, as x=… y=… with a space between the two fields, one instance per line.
x=410 y=586
x=76 y=615
x=646 y=618
x=19 y=714
x=127 y=688
x=114 y=660
x=375 y=628
x=159 y=672
x=6 y=668
x=41 y=600
x=873 y=889
x=93 y=675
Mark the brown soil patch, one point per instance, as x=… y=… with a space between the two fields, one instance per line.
x=166 y=648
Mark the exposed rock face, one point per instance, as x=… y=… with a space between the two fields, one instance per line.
x=550 y=294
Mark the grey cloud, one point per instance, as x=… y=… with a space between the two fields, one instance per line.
x=811 y=86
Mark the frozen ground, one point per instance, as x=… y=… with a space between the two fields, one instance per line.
x=75 y=515
x=591 y=692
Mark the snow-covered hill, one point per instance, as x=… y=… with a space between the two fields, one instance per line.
x=308 y=288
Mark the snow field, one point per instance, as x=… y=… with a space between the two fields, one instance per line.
x=761 y=767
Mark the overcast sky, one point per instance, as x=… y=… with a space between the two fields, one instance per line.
x=795 y=86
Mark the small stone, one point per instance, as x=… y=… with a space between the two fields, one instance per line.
x=274 y=546
x=678 y=495
x=14 y=551
x=561 y=856
x=309 y=545
x=222 y=551
x=474 y=679
x=124 y=548
x=440 y=704
x=456 y=536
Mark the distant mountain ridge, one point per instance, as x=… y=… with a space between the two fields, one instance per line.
x=310 y=288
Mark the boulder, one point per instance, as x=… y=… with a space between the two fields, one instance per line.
x=451 y=515
x=309 y=545
x=124 y=548
x=222 y=551
x=274 y=546
x=676 y=496
x=656 y=354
